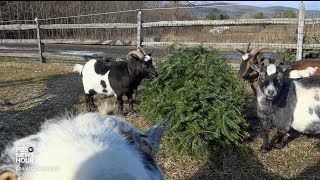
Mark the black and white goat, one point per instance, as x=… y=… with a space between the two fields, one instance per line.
x=83 y=147
x=115 y=78
x=286 y=103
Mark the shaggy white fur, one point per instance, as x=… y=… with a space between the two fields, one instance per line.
x=309 y=71
x=87 y=146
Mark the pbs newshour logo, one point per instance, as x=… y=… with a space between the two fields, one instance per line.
x=24 y=155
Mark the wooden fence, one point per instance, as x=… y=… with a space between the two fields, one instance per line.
x=141 y=25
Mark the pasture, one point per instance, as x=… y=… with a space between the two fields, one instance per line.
x=31 y=92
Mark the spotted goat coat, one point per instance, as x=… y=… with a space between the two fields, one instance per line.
x=286 y=103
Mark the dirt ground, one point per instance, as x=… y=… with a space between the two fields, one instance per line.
x=31 y=93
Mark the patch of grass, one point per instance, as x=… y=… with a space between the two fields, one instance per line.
x=17 y=59
x=36 y=92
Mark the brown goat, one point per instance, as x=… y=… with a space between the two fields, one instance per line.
x=298 y=69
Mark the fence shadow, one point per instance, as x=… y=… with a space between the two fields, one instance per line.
x=251 y=116
x=62 y=92
x=243 y=164
x=312 y=172
x=234 y=164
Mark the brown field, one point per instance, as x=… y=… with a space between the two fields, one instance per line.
x=37 y=92
x=275 y=34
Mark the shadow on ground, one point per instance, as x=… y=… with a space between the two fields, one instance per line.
x=234 y=164
x=243 y=164
x=63 y=91
x=312 y=172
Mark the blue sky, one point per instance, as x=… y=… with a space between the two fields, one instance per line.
x=309 y=5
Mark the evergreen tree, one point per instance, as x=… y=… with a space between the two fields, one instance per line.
x=207 y=99
x=213 y=15
x=278 y=14
x=259 y=15
x=289 y=14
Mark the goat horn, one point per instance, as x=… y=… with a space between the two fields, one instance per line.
x=143 y=52
x=136 y=53
x=239 y=50
x=248 y=48
x=255 y=51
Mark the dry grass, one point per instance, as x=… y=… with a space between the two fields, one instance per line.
x=41 y=91
x=277 y=34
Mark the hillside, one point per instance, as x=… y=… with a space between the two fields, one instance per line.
x=237 y=10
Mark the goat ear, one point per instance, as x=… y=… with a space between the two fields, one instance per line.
x=255 y=67
x=155 y=133
x=145 y=145
x=260 y=59
x=278 y=62
x=241 y=51
x=150 y=53
x=265 y=62
x=285 y=67
x=8 y=175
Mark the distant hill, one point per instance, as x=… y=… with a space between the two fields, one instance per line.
x=236 y=10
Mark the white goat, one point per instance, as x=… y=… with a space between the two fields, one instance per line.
x=87 y=146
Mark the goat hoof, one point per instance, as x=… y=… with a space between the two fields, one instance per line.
x=317 y=147
x=136 y=101
x=264 y=149
x=132 y=111
x=89 y=109
x=121 y=113
x=279 y=145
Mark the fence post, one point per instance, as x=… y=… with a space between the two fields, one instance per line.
x=300 y=32
x=40 y=44
x=140 y=33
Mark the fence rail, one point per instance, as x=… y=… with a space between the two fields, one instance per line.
x=62 y=41
x=236 y=45
x=14 y=27
x=229 y=22
x=106 y=42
